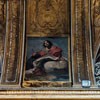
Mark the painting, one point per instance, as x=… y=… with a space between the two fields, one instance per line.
x=47 y=62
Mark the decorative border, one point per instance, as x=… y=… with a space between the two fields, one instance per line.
x=73 y=94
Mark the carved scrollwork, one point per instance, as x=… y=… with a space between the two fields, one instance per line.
x=46 y=15
x=49 y=17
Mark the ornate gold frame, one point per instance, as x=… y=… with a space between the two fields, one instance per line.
x=13 y=89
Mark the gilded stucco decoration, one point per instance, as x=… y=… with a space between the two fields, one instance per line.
x=47 y=17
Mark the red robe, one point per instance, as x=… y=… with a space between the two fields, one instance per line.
x=54 y=51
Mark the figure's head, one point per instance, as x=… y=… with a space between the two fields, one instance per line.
x=47 y=44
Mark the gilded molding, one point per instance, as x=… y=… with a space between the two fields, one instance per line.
x=81 y=42
x=77 y=37
x=70 y=94
x=14 y=43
